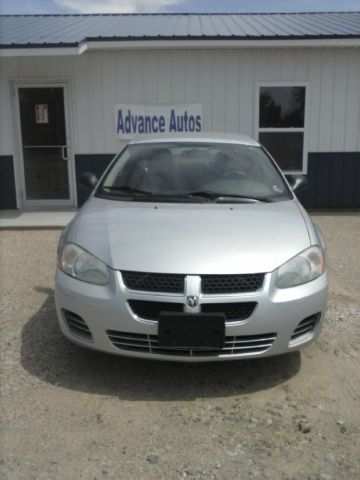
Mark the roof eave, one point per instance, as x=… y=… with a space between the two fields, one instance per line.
x=95 y=44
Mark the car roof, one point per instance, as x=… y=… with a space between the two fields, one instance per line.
x=203 y=137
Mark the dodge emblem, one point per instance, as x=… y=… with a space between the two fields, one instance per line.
x=192 y=301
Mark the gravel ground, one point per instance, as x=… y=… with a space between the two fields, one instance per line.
x=71 y=413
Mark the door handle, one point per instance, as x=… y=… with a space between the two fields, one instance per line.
x=64 y=152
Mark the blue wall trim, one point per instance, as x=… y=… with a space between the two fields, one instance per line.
x=7 y=183
x=95 y=163
x=334 y=180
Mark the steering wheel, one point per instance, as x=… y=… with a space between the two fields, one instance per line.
x=236 y=174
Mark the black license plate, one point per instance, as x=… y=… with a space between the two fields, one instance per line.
x=191 y=330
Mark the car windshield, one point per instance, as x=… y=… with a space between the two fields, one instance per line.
x=194 y=172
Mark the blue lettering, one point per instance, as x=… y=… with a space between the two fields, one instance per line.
x=120 y=123
x=161 y=124
x=198 y=123
x=191 y=123
x=172 y=126
x=128 y=122
x=154 y=124
x=186 y=121
x=133 y=123
x=180 y=123
x=141 y=125
x=147 y=124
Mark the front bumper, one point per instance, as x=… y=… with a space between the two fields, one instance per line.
x=114 y=328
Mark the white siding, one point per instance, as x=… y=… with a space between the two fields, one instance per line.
x=223 y=81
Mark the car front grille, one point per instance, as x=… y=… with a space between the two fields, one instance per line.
x=237 y=345
x=215 y=284
x=76 y=324
x=210 y=284
x=151 y=310
x=308 y=325
x=233 y=311
x=154 y=282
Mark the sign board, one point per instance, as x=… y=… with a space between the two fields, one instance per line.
x=41 y=113
x=133 y=120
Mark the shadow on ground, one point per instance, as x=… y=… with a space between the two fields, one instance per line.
x=46 y=354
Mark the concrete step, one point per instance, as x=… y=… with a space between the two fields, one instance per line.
x=34 y=219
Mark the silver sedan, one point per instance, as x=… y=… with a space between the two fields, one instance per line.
x=194 y=249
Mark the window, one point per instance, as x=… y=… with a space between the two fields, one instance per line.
x=181 y=171
x=281 y=124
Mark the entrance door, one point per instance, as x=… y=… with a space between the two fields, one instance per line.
x=44 y=146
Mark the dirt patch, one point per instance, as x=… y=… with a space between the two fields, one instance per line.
x=71 y=413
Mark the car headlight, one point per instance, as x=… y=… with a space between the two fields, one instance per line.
x=303 y=268
x=80 y=264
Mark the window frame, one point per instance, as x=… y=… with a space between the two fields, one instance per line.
x=258 y=129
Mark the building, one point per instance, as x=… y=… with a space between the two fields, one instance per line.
x=74 y=87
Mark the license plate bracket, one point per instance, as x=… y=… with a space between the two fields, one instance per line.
x=191 y=330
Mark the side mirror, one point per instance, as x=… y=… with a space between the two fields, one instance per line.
x=88 y=180
x=297 y=182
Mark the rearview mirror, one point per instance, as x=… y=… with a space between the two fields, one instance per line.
x=88 y=180
x=297 y=182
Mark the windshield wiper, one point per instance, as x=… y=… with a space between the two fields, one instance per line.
x=204 y=194
x=219 y=197
x=142 y=194
x=127 y=189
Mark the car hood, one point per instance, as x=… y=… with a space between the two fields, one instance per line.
x=191 y=238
